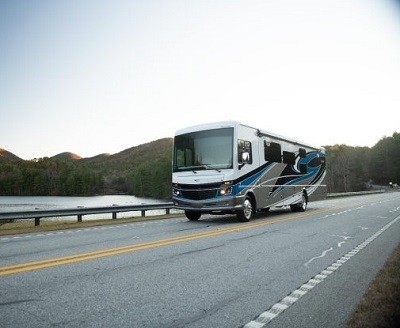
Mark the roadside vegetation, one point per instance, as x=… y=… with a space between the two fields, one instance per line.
x=359 y=168
x=27 y=226
x=380 y=305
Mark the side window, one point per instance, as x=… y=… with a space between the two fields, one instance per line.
x=303 y=168
x=272 y=152
x=244 y=147
x=288 y=158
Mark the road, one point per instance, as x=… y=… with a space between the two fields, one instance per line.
x=282 y=269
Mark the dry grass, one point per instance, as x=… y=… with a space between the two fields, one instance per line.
x=28 y=226
x=380 y=305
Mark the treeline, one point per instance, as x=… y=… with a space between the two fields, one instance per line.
x=145 y=171
x=151 y=179
x=51 y=177
x=358 y=168
x=48 y=177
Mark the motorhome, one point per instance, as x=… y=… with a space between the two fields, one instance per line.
x=233 y=168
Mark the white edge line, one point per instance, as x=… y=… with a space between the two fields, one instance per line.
x=264 y=318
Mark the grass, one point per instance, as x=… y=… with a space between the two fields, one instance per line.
x=380 y=305
x=28 y=226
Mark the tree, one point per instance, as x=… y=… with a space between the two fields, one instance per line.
x=385 y=160
x=347 y=168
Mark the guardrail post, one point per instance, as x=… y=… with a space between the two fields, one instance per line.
x=37 y=222
x=167 y=211
x=114 y=215
x=143 y=213
x=79 y=217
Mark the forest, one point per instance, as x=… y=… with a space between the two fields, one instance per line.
x=145 y=171
x=358 y=168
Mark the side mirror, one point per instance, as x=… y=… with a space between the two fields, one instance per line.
x=245 y=159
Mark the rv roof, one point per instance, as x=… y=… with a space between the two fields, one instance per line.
x=226 y=124
x=213 y=125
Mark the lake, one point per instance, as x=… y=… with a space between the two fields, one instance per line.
x=27 y=203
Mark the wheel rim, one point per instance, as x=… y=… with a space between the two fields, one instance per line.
x=303 y=202
x=247 y=209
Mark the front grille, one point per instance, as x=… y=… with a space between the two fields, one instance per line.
x=199 y=194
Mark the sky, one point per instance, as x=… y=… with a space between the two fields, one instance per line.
x=94 y=76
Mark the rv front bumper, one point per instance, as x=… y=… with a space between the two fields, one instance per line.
x=222 y=204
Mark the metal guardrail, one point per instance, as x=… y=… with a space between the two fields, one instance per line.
x=81 y=211
x=354 y=193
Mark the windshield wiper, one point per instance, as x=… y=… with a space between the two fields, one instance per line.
x=196 y=168
x=209 y=167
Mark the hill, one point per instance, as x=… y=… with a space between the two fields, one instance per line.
x=99 y=157
x=9 y=157
x=144 y=170
x=123 y=172
x=66 y=156
x=133 y=155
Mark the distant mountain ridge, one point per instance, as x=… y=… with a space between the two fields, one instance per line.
x=143 y=170
x=140 y=150
x=8 y=156
x=66 y=156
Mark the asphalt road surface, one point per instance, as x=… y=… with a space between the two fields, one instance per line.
x=282 y=269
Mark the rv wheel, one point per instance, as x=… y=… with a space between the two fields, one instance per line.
x=192 y=215
x=300 y=207
x=303 y=204
x=246 y=213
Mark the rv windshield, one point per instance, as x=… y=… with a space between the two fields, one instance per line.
x=204 y=150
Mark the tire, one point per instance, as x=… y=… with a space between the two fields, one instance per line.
x=192 y=215
x=300 y=207
x=246 y=214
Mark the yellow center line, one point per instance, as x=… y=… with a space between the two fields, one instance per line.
x=52 y=262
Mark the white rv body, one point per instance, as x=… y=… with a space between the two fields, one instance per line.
x=229 y=167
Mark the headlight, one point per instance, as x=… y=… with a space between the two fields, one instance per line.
x=226 y=188
x=175 y=190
